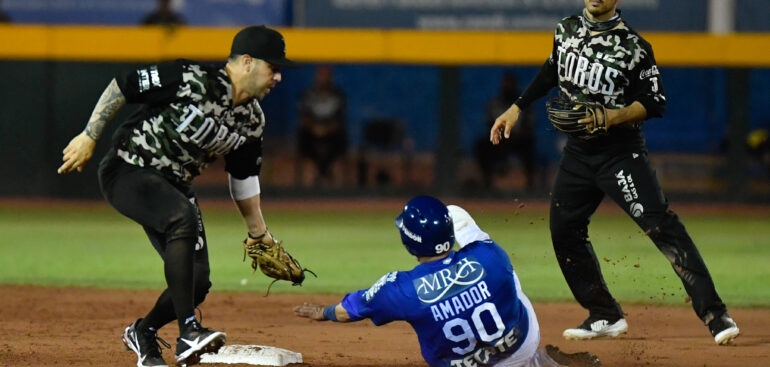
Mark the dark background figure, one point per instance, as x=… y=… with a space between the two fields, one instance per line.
x=163 y=15
x=758 y=145
x=322 y=136
x=4 y=18
x=494 y=159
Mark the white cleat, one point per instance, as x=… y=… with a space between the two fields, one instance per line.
x=596 y=328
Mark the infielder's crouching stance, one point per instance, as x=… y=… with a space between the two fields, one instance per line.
x=466 y=306
x=191 y=113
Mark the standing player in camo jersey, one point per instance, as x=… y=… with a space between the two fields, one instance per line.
x=191 y=114
x=597 y=57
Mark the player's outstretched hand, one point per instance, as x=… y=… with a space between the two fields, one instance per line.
x=310 y=310
x=77 y=153
x=503 y=124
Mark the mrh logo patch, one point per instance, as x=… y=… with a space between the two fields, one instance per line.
x=449 y=281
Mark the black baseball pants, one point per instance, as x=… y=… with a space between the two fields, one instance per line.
x=626 y=176
x=171 y=219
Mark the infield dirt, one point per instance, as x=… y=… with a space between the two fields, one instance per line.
x=42 y=326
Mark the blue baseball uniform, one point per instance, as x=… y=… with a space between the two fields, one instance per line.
x=467 y=309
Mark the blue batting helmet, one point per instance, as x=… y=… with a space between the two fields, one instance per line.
x=426 y=227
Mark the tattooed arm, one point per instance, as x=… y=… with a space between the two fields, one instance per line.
x=81 y=147
x=110 y=102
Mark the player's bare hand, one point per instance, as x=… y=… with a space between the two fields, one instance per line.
x=503 y=124
x=77 y=153
x=310 y=310
x=610 y=119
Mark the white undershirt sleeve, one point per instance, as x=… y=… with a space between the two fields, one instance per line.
x=466 y=229
x=243 y=189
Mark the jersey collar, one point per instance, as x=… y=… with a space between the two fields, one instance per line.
x=601 y=26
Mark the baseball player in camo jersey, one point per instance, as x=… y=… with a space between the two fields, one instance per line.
x=191 y=113
x=466 y=306
x=597 y=57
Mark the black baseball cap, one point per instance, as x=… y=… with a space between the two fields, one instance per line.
x=262 y=43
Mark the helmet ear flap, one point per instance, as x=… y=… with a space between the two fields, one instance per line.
x=426 y=227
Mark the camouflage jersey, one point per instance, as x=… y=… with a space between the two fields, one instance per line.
x=187 y=120
x=614 y=66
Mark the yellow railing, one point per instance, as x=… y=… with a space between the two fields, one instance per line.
x=101 y=43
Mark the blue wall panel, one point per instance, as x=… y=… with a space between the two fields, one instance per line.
x=759 y=99
x=678 y=16
x=407 y=93
x=122 y=12
x=695 y=118
x=51 y=101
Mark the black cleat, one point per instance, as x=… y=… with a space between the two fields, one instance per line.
x=723 y=329
x=145 y=345
x=197 y=340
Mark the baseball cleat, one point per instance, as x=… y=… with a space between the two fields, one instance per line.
x=197 y=340
x=596 y=328
x=724 y=329
x=145 y=345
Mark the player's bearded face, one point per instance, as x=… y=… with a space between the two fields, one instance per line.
x=598 y=8
x=264 y=77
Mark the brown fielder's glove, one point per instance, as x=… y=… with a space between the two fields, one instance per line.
x=273 y=260
x=565 y=114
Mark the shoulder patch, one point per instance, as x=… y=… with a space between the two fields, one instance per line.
x=372 y=291
x=148 y=78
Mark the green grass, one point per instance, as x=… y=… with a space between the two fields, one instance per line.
x=94 y=246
